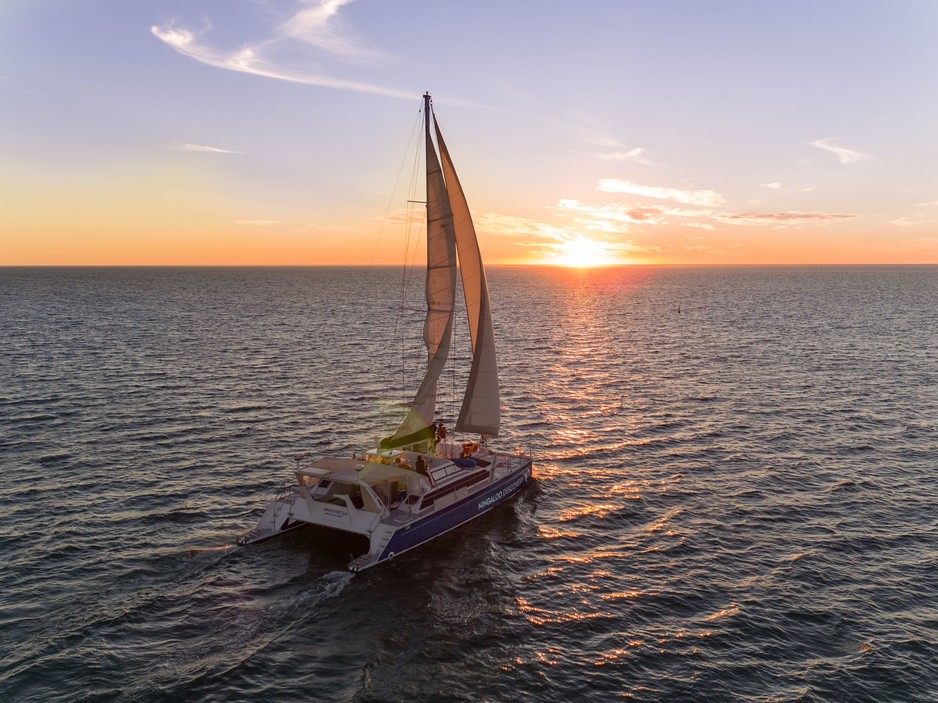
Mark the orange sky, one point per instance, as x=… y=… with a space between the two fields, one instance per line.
x=275 y=139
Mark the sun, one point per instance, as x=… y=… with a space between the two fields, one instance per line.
x=582 y=252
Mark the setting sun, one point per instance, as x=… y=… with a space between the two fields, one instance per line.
x=583 y=253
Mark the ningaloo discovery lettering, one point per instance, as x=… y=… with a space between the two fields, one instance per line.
x=495 y=497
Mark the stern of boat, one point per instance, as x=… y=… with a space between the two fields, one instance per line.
x=277 y=518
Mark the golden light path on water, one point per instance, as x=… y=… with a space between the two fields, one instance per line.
x=591 y=425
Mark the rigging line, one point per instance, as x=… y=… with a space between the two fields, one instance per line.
x=452 y=390
x=411 y=246
x=397 y=180
x=389 y=382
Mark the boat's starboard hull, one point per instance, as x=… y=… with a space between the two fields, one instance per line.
x=422 y=530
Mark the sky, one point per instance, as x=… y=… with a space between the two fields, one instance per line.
x=273 y=132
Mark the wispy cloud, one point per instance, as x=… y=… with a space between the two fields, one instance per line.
x=204 y=149
x=632 y=155
x=845 y=155
x=312 y=36
x=606 y=217
x=317 y=26
x=616 y=151
x=609 y=213
x=403 y=216
x=777 y=185
x=781 y=218
x=705 y=198
x=924 y=216
x=258 y=223
x=516 y=227
x=912 y=221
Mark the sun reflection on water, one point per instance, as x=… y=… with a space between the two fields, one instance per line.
x=600 y=510
x=549 y=532
x=623 y=595
x=543 y=616
x=663 y=523
x=729 y=611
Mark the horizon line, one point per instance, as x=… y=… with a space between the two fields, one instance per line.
x=488 y=266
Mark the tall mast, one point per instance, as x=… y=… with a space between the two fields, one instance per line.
x=427 y=141
x=426 y=111
x=440 y=294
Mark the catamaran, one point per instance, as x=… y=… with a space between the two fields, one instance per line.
x=417 y=483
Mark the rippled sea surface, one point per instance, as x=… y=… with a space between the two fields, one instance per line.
x=736 y=495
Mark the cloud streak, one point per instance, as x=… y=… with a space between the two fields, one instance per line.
x=311 y=36
x=317 y=26
x=705 y=198
x=706 y=209
x=633 y=155
x=777 y=185
x=201 y=148
x=601 y=216
x=845 y=156
x=620 y=218
x=791 y=217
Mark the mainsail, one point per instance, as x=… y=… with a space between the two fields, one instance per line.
x=450 y=229
x=480 y=410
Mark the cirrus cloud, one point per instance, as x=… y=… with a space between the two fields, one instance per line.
x=706 y=198
x=791 y=217
x=202 y=148
x=845 y=155
x=310 y=37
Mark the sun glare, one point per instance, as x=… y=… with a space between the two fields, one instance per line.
x=583 y=253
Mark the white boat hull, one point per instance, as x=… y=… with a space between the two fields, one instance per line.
x=394 y=531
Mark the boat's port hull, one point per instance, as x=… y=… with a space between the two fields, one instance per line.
x=276 y=520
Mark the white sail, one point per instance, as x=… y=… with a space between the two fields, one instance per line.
x=441 y=296
x=480 y=412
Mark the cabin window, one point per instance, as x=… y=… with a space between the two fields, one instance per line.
x=470 y=480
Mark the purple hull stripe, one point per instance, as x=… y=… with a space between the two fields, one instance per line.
x=454 y=515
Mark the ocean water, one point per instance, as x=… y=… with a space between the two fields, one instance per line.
x=735 y=495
